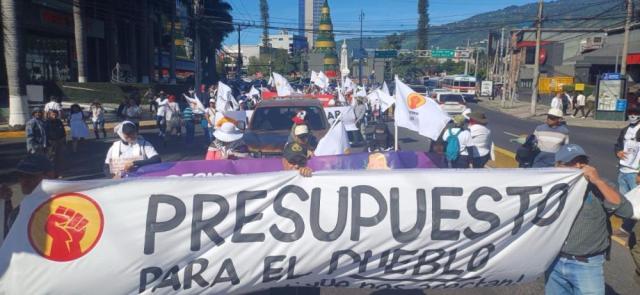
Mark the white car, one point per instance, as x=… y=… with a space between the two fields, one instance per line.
x=452 y=103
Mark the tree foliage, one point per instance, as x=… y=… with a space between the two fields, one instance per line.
x=393 y=41
x=213 y=30
x=423 y=25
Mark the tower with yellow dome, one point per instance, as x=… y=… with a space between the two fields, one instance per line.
x=325 y=42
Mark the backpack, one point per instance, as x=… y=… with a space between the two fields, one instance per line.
x=453 y=146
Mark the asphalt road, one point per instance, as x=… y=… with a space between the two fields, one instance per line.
x=87 y=164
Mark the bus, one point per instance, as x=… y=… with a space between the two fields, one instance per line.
x=460 y=84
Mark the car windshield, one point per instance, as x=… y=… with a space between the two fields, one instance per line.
x=451 y=98
x=279 y=118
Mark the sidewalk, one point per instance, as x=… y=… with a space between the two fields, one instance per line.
x=144 y=124
x=521 y=110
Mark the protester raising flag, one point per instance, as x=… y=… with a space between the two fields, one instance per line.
x=335 y=142
x=224 y=99
x=418 y=113
x=282 y=85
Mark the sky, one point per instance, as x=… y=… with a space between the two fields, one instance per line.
x=385 y=15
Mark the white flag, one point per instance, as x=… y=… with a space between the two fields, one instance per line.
x=253 y=92
x=314 y=77
x=386 y=100
x=374 y=98
x=341 y=96
x=321 y=81
x=224 y=99
x=282 y=85
x=418 y=113
x=270 y=83
x=348 y=85
x=335 y=142
x=385 y=88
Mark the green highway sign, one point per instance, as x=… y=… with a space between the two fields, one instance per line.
x=386 y=54
x=443 y=53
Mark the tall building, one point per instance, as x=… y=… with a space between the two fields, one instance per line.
x=325 y=42
x=309 y=18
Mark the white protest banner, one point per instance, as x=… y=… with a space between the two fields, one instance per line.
x=426 y=229
x=334 y=112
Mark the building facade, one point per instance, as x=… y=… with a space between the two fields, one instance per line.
x=309 y=18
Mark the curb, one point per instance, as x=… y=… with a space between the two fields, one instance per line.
x=146 y=124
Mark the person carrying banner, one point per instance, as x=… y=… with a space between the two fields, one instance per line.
x=550 y=137
x=458 y=141
x=228 y=144
x=295 y=157
x=578 y=268
x=31 y=171
x=129 y=153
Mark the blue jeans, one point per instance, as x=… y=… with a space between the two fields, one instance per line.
x=162 y=125
x=566 y=276
x=190 y=128
x=626 y=183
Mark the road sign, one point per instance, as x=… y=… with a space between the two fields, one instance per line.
x=443 y=53
x=386 y=53
x=463 y=53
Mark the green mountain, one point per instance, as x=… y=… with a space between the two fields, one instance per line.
x=561 y=13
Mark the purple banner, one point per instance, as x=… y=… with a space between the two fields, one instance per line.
x=359 y=161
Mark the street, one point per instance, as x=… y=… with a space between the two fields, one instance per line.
x=88 y=162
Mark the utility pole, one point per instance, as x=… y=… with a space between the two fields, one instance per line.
x=475 y=68
x=196 y=48
x=239 y=59
x=625 y=46
x=500 y=48
x=466 y=63
x=536 y=65
x=361 y=50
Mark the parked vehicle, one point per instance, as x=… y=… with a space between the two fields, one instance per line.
x=452 y=103
x=271 y=123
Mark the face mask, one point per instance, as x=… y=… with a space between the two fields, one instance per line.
x=191 y=91
x=633 y=119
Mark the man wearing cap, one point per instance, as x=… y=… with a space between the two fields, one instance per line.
x=480 y=139
x=36 y=133
x=228 y=144
x=129 y=153
x=295 y=157
x=550 y=137
x=303 y=136
x=31 y=171
x=578 y=269
x=627 y=150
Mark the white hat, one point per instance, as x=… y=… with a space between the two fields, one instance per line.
x=555 y=113
x=228 y=132
x=301 y=129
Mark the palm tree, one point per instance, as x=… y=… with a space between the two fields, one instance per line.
x=217 y=24
x=81 y=39
x=14 y=60
x=423 y=25
x=264 y=13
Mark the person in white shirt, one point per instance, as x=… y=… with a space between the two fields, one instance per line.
x=464 y=140
x=97 y=118
x=556 y=102
x=161 y=109
x=581 y=102
x=129 y=153
x=53 y=105
x=172 y=115
x=480 y=138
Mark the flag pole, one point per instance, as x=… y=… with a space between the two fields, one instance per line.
x=395 y=133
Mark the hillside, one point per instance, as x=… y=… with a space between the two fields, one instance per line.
x=561 y=13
